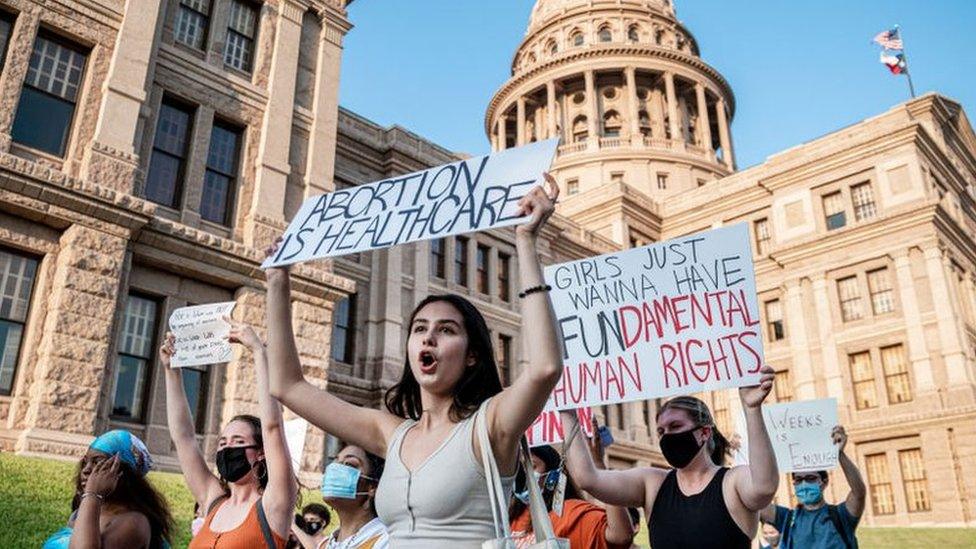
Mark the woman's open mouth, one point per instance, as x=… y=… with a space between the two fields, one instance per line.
x=428 y=364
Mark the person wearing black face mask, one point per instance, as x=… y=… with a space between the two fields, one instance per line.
x=699 y=503
x=308 y=530
x=251 y=500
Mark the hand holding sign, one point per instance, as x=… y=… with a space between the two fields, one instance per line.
x=753 y=396
x=539 y=204
x=243 y=334
x=839 y=436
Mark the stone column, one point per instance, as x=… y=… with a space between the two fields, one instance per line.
x=20 y=47
x=267 y=205
x=520 y=121
x=320 y=163
x=592 y=110
x=723 y=134
x=74 y=354
x=635 y=135
x=803 y=377
x=951 y=345
x=657 y=114
x=551 y=109
x=384 y=323
x=918 y=353
x=111 y=159
x=502 y=132
x=828 y=346
x=672 y=108
x=704 y=127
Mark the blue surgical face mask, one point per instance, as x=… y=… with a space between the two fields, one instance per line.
x=341 y=481
x=551 y=480
x=808 y=493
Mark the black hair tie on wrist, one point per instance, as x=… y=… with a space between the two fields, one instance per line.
x=534 y=289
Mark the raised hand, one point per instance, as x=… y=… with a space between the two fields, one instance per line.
x=839 y=436
x=595 y=445
x=539 y=203
x=243 y=334
x=275 y=274
x=104 y=478
x=167 y=349
x=753 y=396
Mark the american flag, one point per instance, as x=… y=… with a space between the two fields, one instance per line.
x=889 y=40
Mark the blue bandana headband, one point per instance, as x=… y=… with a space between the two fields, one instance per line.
x=127 y=446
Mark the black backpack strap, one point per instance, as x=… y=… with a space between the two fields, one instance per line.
x=213 y=504
x=834 y=515
x=265 y=527
x=785 y=529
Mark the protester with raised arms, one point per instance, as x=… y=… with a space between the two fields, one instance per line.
x=251 y=502
x=699 y=503
x=433 y=491
x=814 y=523
x=114 y=506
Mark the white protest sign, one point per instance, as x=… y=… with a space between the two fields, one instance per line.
x=295 y=431
x=201 y=334
x=468 y=195
x=675 y=317
x=548 y=427
x=801 y=434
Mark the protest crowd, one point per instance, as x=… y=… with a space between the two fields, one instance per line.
x=445 y=461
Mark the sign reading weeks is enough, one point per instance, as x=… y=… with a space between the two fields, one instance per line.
x=801 y=434
x=469 y=195
x=675 y=317
x=201 y=334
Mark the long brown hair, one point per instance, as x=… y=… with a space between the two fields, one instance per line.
x=701 y=416
x=261 y=466
x=477 y=384
x=135 y=493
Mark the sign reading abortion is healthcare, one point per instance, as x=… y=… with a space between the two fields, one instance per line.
x=468 y=195
x=675 y=317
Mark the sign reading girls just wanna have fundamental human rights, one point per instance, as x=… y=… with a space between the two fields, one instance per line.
x=468 y=195
x=675 y=317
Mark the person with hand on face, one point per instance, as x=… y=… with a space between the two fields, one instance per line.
x=699 y=503
x=814 y=523
x=251 y=502
x=308 y=530
x=770 y=536
x=433 y=491
x=114 y=505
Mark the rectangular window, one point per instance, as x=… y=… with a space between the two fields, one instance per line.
x=617 y=177
x=774 y=320
x=913 y=477
x=16 y=285
x=6 y=29
x=879 y=482
x=196 y=386
x=438 y=261
x=343 y=334
x=505 y=358
x=50 y=92
x=862 y=375
x=897 y=382
x=164 y=182
x=461 y=261
x=763 y=238
x=879 y=284
x=134 y=362
x=850 y=298
x=192 y=20
x=504 y=265
x=662 y=181
x=863 y=197
x=481 y=257
x=572 y=187
x=241 y=32
x=220 y=179
x=783 y=386
x=833 y=205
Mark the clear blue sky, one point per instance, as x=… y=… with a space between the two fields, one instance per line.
x=798 y=69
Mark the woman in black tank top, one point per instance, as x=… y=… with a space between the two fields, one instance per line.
x=699 y=503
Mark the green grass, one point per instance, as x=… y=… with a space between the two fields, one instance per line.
x=35 y=499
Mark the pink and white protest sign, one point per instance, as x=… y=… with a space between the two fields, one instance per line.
x=548 y=427
x=675 y=317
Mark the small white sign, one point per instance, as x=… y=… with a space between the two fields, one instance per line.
x=801 y=434
x=201 y=334
x=295 y=431
x=464 y=196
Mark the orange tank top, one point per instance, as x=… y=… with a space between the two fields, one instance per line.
x=253 y=532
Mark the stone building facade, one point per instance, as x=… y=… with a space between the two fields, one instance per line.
x=863 y=239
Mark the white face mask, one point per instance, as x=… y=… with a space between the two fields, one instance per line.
x=196 y=525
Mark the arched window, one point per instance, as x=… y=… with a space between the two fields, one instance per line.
x=644 y=121
x=576 y=38
x=658 y=36
x=604 y=34
x=531 y=59
x=611 y=124
x=632 y=34
x=580 y=127
x=552 y=47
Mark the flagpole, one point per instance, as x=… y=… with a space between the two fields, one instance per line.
x=904 y=53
